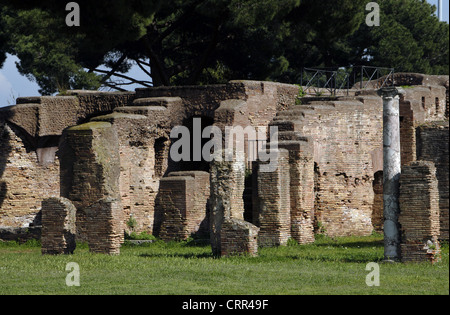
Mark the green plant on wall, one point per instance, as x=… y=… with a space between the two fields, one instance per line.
x=131 y=223
x=300 y=95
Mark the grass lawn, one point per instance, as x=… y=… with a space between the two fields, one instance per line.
x=329 y=266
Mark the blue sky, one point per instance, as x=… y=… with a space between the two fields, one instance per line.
x=13 y=85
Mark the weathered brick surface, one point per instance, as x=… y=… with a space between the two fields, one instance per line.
x=419 y=212
x=104 y=226
x=58 y=226
x=433 y=145
x=29 y=137
x=377 y=209
x=226 y=203
x=238 y=237
x=139 y=159
x=198 y=214
x=302 y=195
x=346 y=135
x=24 y=181
x=274 y=202
x=90 y=179
x=182 y=205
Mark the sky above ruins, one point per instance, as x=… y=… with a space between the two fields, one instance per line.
x=13 y=84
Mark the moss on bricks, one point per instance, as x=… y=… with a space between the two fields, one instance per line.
x=90 y=126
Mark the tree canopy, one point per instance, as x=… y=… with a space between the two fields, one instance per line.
x=212 y=41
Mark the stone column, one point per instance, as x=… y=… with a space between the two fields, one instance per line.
x=391 y=171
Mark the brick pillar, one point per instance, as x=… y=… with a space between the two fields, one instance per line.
x=175 y=198
x=182 y=205
x=433 y=146
x=198 y=214
x=226 y=203
x=419 y=213
x=301 y=170
x=238 y=237
x=58 y=226
x=89 y=171
x=274 y=215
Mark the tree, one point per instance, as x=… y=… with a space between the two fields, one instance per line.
x=59 y=57
x=410 y=38
x=212 y=41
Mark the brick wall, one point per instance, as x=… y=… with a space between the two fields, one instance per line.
x=419 y=212
x=274 y=202
x=58 y=226
x=24 y=181
x=138 y=181
x=198 y=215
x=346 y=134
x=104 y=226
x=302 y=195
x=377 y=209
x=181 y=206
x=238 y=238
x=433 y=145
x=29 y=136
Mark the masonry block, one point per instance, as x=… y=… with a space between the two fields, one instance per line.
x=105 y=226
x=58 y=226
x=419 y=213
x=274 y=202
x=176 y=196
x=227 y=223
x=239 y=238
x=90 y=168
x=433 y=145
x=182 y=205
x=301 y=174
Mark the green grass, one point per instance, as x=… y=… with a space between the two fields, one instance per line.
x=329 y=266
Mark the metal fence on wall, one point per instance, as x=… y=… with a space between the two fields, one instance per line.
x=334 y=81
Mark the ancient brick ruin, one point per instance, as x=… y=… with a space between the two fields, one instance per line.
x=108 y=154
x=59 y=226
x=419 y=213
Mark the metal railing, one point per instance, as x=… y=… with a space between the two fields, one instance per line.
x=334 y=81
x=376 y=72
x=319 y=81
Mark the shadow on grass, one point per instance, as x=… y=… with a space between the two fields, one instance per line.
x=171 y=255
x=375 y=243
x=325 y=249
